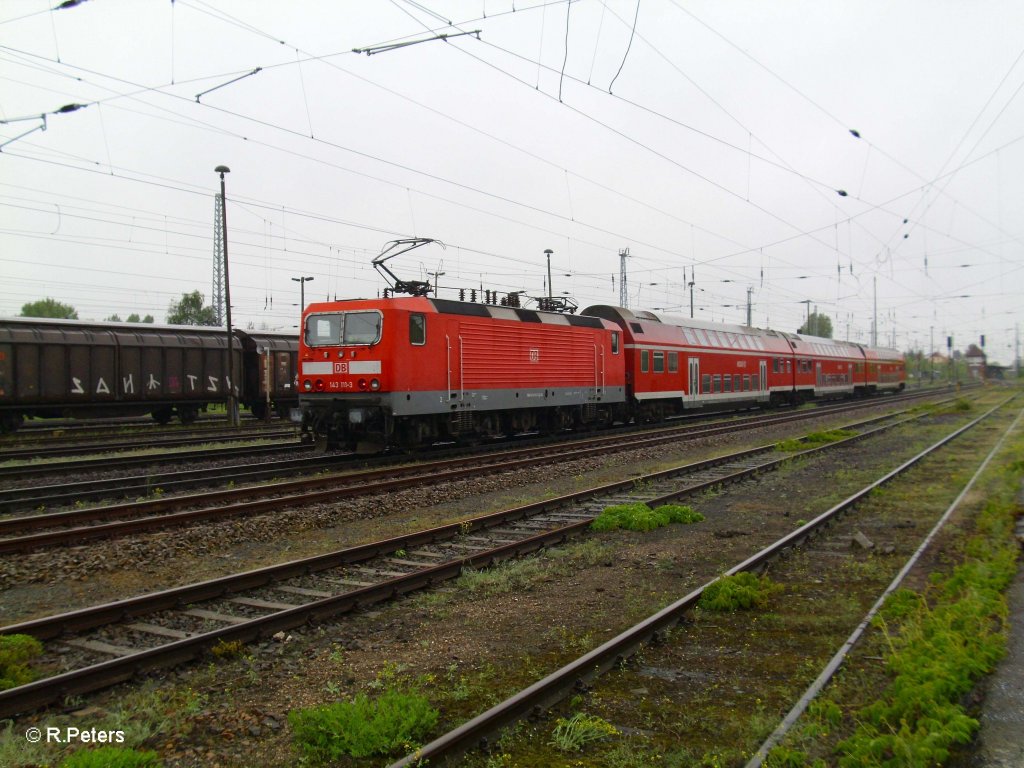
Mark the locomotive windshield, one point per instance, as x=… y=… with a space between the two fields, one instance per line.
x=343 y=328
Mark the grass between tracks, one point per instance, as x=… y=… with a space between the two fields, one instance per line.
x=938 y=643
x=728 y=678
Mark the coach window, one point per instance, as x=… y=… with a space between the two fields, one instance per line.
x=615 y=342
x=417 y=329
x=659 y=362
x=645 y=363
x=746 y=382
x=789 y=366
x=727 y=383
x=705 y=383
x=716 y=383
x=755 y=382
x=673 y=362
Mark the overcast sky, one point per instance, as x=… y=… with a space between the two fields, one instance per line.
x=711 y=139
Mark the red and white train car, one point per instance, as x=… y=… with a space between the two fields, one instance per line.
x=413 y=370
x=675 y=363
x=886 y=370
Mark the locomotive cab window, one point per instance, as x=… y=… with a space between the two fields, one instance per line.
x=615 y=342
x=322 y=330
x=362 y=328
x=332 y=329
x=417 y=329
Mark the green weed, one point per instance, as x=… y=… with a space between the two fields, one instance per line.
x=228 y=649
x=814 y=439
x=937 y=654
x=395 y=721
x=738 y=592
x=640 y=517
x=111 y=757
x=15 y=653
x=574 y=734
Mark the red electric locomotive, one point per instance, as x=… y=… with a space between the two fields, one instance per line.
x=409 y=371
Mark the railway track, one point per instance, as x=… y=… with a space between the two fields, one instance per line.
x=25 y=533
x=67 y=468
x=78 y=447
x=113 y=642
x=583 y=671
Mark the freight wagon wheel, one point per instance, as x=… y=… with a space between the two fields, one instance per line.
x=9 y=422
x=162 y=415
x=259 y=409
x=187 y=414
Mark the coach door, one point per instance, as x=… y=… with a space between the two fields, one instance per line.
x=763 y=379
x=693 y=388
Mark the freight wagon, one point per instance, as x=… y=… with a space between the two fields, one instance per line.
x=70 y=368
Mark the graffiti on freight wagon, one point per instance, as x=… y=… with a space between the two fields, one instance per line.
x=128 y=385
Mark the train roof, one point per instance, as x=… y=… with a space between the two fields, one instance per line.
x=815 y=344
x=56 y=322
x=104 y=332
x=643 y=315
x=466 y=308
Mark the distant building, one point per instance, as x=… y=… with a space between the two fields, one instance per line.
x=975 y=358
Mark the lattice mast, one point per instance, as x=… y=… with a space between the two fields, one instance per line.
x=217 y=301
x=623 y=292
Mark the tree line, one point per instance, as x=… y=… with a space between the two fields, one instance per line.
x=189 y=310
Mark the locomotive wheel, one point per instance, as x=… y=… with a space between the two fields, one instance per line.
x=321 y=444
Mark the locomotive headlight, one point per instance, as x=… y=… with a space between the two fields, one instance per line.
x=307 y=385
x=375 y=384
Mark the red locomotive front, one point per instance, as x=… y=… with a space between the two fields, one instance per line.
x=409 y=371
